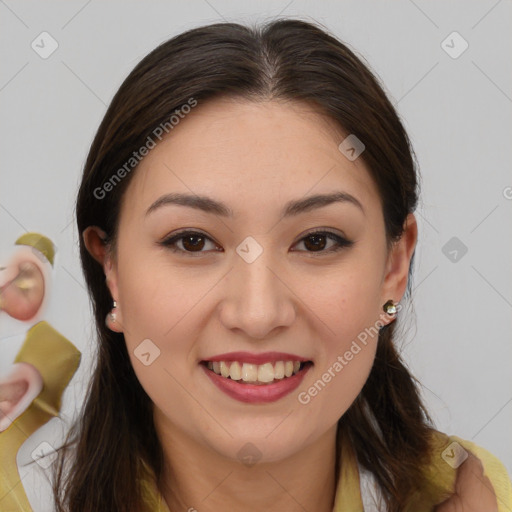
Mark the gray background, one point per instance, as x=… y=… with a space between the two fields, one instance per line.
x=456 y=110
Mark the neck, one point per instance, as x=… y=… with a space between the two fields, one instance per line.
x=197 y=478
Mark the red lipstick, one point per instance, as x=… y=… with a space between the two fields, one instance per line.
x=258 y=393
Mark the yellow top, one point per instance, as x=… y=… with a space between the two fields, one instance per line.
x=439 y=479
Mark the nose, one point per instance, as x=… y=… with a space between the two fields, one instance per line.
x=257 y=300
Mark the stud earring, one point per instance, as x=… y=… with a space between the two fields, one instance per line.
x=390 y=308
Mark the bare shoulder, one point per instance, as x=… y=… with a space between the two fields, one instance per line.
x=473 y=490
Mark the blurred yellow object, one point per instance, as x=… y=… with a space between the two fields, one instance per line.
x=43 y=244
x=56 y=359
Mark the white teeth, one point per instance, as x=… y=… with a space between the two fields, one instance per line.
x=249 y=372
x=254 y=373
x=279 y=370
x=224 y=369
x=235 y=371
x=266 y=373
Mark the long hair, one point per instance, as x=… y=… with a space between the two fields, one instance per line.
x=286 y=60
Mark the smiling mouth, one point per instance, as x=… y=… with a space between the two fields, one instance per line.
x=259 y=375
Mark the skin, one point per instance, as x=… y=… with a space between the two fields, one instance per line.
x=17 y=391
x=254 y=157
x=22 y=296
x=473 y=490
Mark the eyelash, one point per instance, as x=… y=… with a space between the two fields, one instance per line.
x=341 y=243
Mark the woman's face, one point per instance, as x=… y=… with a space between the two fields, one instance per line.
x=252 y=278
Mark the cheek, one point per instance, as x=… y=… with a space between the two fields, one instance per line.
x=347 y=307
x=346 y=299
x=155 y=298
x=162 y=316
x=340 y=372
x=160 y=326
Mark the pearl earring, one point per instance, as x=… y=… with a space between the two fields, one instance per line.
x=113 y=313
x=111 y=317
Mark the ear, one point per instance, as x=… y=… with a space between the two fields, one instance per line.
x=96 y=244
x=399 y=261
x=17 y=391
x=22 y=296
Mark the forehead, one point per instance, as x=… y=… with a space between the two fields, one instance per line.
x=246 y=153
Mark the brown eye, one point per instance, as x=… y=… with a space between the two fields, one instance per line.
x=190 y=242
x=323 y=242
x=315 y=242
x=193 y=242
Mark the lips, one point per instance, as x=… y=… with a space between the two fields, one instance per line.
x=257 y=392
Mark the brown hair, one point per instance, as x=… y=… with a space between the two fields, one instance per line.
x=289 y=60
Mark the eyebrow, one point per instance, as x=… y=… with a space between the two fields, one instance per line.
x=291 y=208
